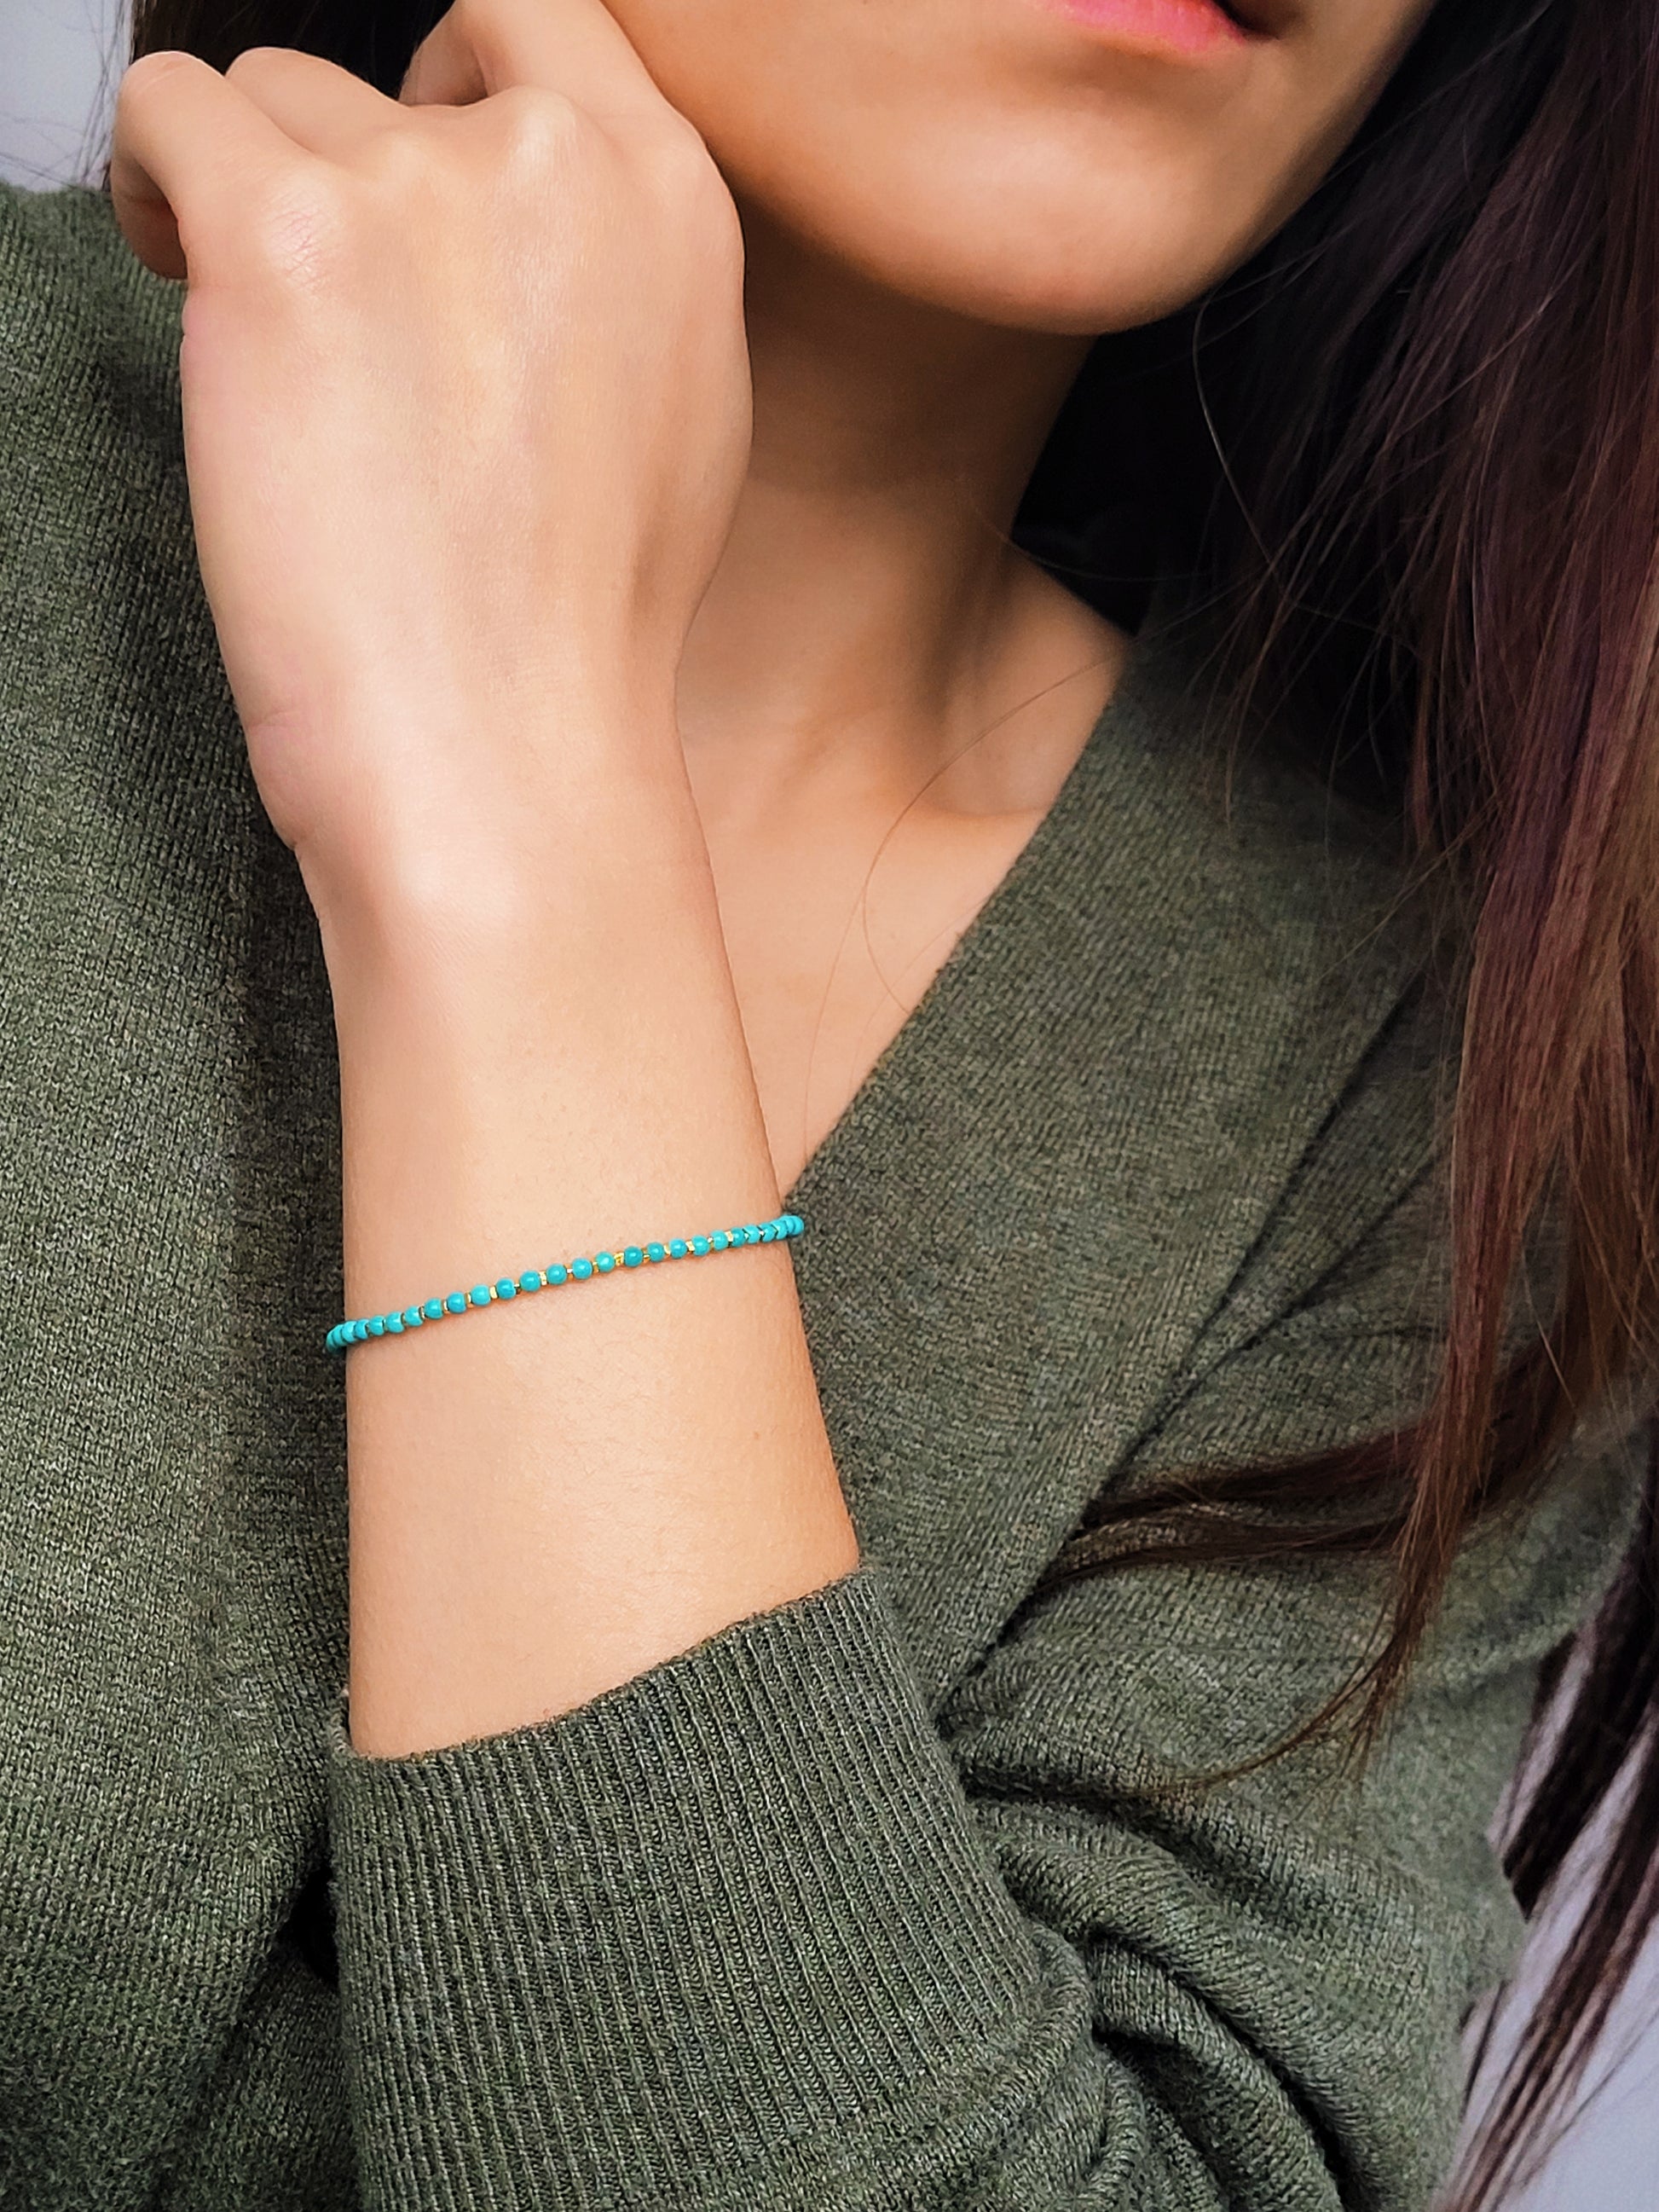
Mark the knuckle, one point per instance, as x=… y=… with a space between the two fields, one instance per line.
x=256 y=62
x=676 y=155
x=538 y=127
x=401 y=159
x=708 y=207
x=684 y=177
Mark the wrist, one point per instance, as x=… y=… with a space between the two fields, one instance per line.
x=533 y=1093
x=564 y=873
x=454 y=805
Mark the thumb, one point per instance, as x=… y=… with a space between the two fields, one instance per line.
x=574 y=46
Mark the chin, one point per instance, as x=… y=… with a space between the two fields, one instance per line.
x=1027 y=237
x=1008 y=160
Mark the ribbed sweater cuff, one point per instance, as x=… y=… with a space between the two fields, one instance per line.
x=720 y=1918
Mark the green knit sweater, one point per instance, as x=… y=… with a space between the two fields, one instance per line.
x=872 y=1900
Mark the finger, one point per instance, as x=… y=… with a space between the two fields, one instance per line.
x=187 y=148
x=321 y=107
x=574 y=46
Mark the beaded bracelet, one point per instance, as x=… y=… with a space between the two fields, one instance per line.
x=345 y=1334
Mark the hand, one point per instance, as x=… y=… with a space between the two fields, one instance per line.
x=466 y=412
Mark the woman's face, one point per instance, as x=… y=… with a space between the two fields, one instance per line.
x=1075 y=165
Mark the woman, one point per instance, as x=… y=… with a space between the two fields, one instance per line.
x=1002 y=1705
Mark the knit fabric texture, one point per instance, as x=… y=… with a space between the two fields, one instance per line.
x=879 y=1899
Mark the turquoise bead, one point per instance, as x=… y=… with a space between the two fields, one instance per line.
x=780 y=1227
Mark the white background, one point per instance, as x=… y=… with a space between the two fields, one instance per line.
x=59 y=62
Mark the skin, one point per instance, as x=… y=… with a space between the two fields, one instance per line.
x=954 y=199
x=932 y=239
x=601 y=461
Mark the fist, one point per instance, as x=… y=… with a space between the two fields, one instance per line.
x=467 y=407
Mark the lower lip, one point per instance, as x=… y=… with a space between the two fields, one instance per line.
x=1183 y=29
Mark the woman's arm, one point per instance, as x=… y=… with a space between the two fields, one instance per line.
x=552 y=1495
x=453 y=578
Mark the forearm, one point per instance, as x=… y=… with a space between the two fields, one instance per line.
x=552 y=1496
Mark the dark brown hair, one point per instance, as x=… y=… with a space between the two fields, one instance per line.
x=1410 y=456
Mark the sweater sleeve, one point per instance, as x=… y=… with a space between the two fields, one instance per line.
x=758 y=1929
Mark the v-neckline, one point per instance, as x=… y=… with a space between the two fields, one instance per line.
x=1035 y=1204
x=918 y=1035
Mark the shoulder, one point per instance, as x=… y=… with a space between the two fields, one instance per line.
x=1254 y=973
x=1292 y=880
x=1270 y=928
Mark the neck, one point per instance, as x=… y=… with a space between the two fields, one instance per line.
x=869 y=614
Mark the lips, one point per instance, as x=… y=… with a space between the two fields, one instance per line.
x=1192 y=31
